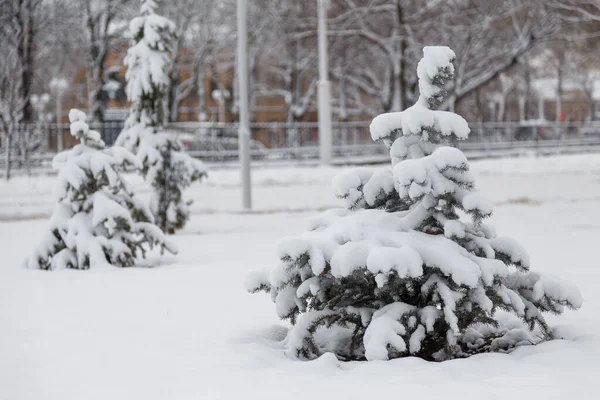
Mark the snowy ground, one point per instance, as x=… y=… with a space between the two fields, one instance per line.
x=283 y=189
x=187 y=330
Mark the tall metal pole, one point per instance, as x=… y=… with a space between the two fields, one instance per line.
x=59 y=132
x=324 y=87
x=58 y=87
x=244 y=128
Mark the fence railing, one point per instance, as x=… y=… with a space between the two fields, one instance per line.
x=217 y=143
x=305 y=134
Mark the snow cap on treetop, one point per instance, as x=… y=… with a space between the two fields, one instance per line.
x=148 y=7
x=80 y=129
x=433 y=71
x=76 y=115
x=422 y=119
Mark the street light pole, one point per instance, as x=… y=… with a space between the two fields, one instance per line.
x=244 y=127
x=58 y=86
x=324 y=87
x=59 y=133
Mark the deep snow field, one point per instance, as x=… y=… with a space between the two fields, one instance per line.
x=186 y=329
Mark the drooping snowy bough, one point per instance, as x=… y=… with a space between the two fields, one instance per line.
x=164 y=164
x=410 y=268
x=97 y=220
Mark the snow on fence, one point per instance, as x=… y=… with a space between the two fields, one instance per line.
x=298 y=142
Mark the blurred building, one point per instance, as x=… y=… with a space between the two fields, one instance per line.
x=578 y=99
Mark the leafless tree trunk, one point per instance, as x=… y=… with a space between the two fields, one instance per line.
x=99 y=17
x=19 y=31
x=17 y=68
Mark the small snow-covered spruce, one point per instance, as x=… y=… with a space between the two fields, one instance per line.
x=97 y=220
x=164 y=164
x=410 y=268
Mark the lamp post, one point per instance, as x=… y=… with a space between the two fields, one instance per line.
x=39 y=104
x=244 y=127
x=29 y=143
x=220 y=97
x=58 y=87
x=324 y=87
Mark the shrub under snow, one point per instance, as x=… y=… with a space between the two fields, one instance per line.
x=97 y=220
x=410 y=268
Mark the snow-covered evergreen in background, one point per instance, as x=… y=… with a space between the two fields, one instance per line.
x=410 y=268
x=97 y=220
x=164 y=164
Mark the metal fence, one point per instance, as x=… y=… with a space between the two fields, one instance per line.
x=32 y=146
x=352 y=140
x=217 y=143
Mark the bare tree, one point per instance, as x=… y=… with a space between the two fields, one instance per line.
x=488 y=37
x=18 y=29
x=104 y=21
x=577 y=10
x=289 y=64
x=199 y=34
x=12 y=105
x=585 y=78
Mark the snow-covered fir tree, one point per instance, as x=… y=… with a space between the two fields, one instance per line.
x=97 y=220
x=410 y=268
x=164 y=164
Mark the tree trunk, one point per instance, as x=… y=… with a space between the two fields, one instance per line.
x=201 y=93
x=7 y=155
x=479 y=106
x=501 y=107
x=401 y=72
x=452 y=102
x=527 y=93
x=95 y=101
x=292 y=132
x=559 y=86
x=558 y=102
x=25 y=149
x=25 y=53
x=171 y=103
x=26 y=161
x=99 y=42
x=396 y=87
x=343 y=111
x=252 y=65
x=171 y=106
x=522 y=102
